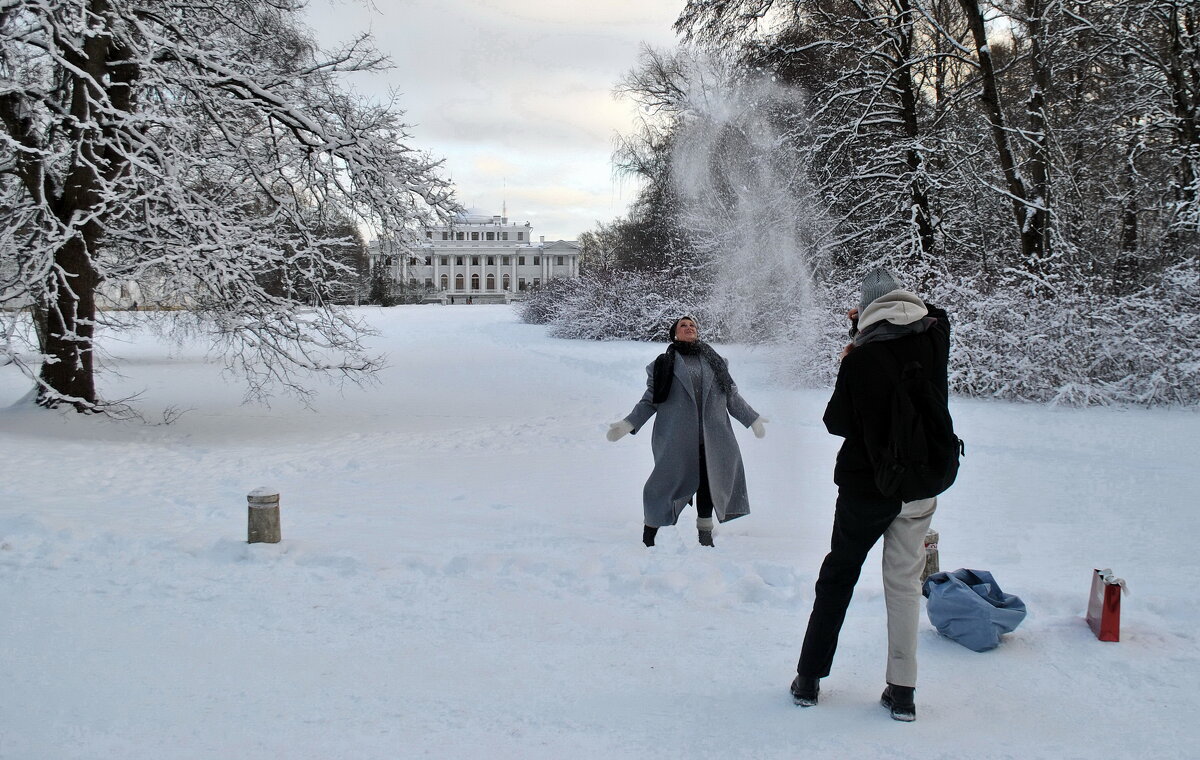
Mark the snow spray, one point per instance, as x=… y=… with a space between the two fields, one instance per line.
x=747 y=200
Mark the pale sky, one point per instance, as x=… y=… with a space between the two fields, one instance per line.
x=515 y=95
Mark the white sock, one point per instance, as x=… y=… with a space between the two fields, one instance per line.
x=704 y=523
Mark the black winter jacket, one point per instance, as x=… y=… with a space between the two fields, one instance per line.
x=860 y=408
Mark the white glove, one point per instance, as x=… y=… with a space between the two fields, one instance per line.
x=617 y=430
x=757 y=427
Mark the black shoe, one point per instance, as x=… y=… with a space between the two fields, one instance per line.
x=648 y=535
x=706 y=538
x=899 y=700
x=805 y=690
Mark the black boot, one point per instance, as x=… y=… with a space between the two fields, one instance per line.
x=706 y=538
x=704 y=528
x=805 y=690
x=648 y=535
x=899 y=700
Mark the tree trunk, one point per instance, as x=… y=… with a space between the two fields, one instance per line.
x=1028 y=213
x=921 y=215
x=67 y=371
x=98 y=96
x=1037 y=225
x=39 y=315
x=1185 y=92
x=1126 y=273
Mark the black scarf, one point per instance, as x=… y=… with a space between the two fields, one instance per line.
x=664 y=367
x=888 y=331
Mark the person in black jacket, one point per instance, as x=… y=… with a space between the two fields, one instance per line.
x=888 y=319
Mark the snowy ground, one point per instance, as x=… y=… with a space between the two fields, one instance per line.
x=461 y=573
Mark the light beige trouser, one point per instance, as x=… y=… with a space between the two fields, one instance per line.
x=903 y=561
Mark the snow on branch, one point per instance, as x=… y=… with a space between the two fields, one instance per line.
x=208 y=152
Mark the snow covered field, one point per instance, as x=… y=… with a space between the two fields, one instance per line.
x=461 y=573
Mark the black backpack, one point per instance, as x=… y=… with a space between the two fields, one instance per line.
x=920 y=458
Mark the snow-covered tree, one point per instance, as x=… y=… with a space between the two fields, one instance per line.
x=1157 y=45
x=868 y=70
x=1029 y=164
x=208 y=150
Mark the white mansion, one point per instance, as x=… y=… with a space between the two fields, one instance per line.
x=476 y=258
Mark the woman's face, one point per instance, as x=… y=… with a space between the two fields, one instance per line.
x=687 y=331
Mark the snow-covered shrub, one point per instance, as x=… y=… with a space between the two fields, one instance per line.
x=642 y=305
x=618 y=306
x=1080 y=348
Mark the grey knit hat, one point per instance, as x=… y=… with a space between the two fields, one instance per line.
x=878 y=282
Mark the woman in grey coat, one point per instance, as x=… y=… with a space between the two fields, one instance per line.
x=695 y=451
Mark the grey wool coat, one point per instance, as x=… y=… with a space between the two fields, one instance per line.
x=676 y=446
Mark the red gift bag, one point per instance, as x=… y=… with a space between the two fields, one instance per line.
x=1104 y=605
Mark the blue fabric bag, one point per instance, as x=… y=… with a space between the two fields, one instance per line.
x=969 y=607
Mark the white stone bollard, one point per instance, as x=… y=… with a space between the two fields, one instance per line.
x=931 y=554
x=264 y=516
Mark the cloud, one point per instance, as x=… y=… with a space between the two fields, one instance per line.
x=489 y=166
x=576 y=121
x=558 y=192
x=635 y=14
x=514 y=93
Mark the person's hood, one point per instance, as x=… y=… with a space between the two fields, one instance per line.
x=899 y=307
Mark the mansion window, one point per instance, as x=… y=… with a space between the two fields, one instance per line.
x=506 y=260
x=491 y=261
x=521 y=260
x=474 y=235
x=491 y=236
x=520 y=236
x=559 y=260
x=428 y=235
x=459 y=236
x=458 y=260
x=521 y=283
x=445 y=281
x=491 y=282
x=537 y=260
x=536 y=281
x=445 y=236
x=458 y=282
x=445 y=260
x=428 y=261
x=474 y=282
x=429 y=282
x=474 y=261
x=507 y=282
x=504 y=236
